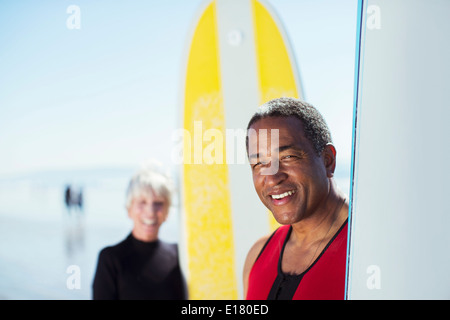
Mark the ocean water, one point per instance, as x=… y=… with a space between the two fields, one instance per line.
x=48 y=252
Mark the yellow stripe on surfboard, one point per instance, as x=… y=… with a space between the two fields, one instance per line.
x=276 y=72
x=206 y=195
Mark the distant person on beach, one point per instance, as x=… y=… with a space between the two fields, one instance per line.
x=72 y=198
x=80 y=199
x=142 y=266
x=67 y=193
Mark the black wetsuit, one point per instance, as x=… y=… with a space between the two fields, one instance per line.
x=138 y=270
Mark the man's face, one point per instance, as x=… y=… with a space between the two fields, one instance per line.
x=300 y=184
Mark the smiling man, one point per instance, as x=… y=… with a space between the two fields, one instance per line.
x=305 y=258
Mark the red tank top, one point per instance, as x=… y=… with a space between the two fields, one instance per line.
x=323 y=280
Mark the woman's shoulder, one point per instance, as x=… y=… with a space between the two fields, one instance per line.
x=169 y=248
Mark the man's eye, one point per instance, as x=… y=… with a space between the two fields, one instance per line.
x=256 y=165
x=260 y=163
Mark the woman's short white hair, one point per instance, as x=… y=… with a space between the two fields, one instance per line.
x=152 y=177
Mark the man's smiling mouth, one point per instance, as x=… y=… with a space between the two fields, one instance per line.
x=282 y=195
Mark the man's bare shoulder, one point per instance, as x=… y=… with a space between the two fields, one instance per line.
x=251 y=258
x=254 y=252
x=257 y=247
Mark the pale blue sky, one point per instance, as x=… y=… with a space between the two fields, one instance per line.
x=107 y=94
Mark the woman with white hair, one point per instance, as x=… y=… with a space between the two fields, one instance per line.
x=142 y=266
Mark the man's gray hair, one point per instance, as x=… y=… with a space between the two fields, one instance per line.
x=316 y=129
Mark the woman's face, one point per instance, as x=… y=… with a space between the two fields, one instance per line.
x=148 y=212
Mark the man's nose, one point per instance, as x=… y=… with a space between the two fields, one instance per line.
x=275 y=178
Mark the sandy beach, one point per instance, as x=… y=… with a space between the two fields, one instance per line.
x=35 y=256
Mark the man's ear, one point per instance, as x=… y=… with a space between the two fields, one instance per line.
x=329 y=157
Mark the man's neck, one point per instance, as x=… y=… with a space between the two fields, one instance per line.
x=320 y=224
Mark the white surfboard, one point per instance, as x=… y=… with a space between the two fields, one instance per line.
x=399 y=210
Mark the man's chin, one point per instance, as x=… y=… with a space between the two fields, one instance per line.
x=284 y=218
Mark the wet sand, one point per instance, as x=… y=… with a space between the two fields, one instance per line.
x=35 y=255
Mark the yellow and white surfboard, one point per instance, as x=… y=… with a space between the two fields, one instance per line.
x=238 y=58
